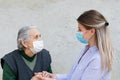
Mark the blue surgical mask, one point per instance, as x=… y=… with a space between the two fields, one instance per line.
x=79 y=36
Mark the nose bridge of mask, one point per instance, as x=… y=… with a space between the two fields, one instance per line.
x=38 y=43
x=80 y=37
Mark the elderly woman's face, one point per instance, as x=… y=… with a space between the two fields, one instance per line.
x=34 y=35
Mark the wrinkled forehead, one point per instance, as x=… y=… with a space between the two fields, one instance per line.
x=34 y=32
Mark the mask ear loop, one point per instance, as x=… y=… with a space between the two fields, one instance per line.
x=85 y=33
x=90 y=37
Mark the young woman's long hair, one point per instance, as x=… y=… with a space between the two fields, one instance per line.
x=93 y=19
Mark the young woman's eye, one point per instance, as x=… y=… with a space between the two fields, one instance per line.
x=79 y=29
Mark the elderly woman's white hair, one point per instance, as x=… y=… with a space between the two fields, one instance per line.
x=23 y=34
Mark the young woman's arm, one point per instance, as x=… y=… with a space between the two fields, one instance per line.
x=93 y=70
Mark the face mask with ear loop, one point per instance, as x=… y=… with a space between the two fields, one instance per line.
x=79 y=36
x=37 y=46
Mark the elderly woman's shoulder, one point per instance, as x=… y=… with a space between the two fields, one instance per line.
x=14 y=52
x=44 y=50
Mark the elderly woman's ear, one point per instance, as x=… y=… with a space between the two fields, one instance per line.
x=24 y=43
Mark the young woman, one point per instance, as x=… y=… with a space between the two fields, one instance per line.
x=95 y=60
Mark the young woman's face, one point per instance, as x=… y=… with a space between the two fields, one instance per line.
x=87 y=34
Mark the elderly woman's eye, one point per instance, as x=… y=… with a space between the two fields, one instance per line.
x=37 y=36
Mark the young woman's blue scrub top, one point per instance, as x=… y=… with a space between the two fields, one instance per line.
x=89 y=67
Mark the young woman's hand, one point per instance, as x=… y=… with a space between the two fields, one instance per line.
x=45 y=76
x=49 y=75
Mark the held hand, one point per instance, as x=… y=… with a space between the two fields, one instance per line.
x=35 y=78
x=45 y=76
x=38 y=76
x=49 y=75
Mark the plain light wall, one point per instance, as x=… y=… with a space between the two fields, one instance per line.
x=56 y=20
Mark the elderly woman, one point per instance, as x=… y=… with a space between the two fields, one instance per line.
x=28 y=59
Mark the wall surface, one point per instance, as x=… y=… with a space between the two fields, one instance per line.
x=56 y=20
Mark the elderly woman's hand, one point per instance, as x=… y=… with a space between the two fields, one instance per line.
x=44 y=76
x=35 y=78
